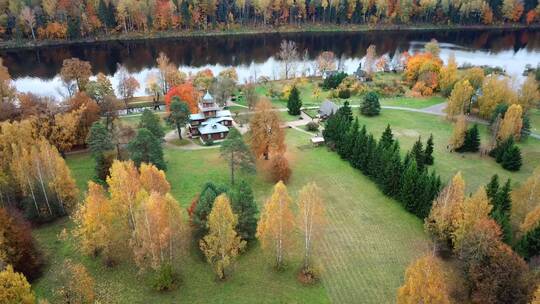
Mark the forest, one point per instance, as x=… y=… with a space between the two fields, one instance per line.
x=76 y=19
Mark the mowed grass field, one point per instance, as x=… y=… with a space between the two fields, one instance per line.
x=370 y=239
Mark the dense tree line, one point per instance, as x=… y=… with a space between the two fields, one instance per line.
x=406 y=179
x=71 y=19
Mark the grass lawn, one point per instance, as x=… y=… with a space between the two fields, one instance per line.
x=410 y=102
x=476 y=170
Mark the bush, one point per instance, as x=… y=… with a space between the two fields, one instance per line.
x=333 y=81
x=370 y=105
x=312 y=126
x=344 y=94
x=165 y=279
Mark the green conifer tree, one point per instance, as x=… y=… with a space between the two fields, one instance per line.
x=146 y=148
x=294 y=104
x=428 y=152
x=152 y=122
x=244 y=206
x=511 y=159
x=370 y=105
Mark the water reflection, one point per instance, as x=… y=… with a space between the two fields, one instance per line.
x=36 y=70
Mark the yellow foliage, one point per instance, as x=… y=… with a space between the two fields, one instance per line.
x=474 y=209
x=311 y=219
x=222 y=244
x=525 y=201
x=458 y=134
x=14 y=288
x=528 y=94
x=459 y=99
x=425 y=282
x=495 y=90
x=276 y=224
x=511 y=124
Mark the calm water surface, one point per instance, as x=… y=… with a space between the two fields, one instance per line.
x=254 y=55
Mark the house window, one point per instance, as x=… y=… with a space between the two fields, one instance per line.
x=221 y=134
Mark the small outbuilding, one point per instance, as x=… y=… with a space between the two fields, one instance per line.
x=327 y=109
x=317 y=141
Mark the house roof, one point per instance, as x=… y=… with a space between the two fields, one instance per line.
x=328 y=108
x=208 y=97
x=223 y=113
x=317 y=139
x=213 y=127
x=216 y=120
x=196 y=116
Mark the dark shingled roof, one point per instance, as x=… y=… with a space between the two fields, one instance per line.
x=328 y=108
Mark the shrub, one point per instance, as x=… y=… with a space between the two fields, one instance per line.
x=333 y=81
x=344 y=94
x=312 y=126
x=165 y=279
x=370 y=105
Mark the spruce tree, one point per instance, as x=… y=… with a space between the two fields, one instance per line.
x=370 y=105
x=99 y=139
x=408 y=186
x=472 y=139
x=244 y=206
x=346 y=111
x=359 y=148
x=152 y=122
x=492 y=188
x=294 y=104
x=392 y=173
x=428 y=152
x=350 y=139
x=501 y=148
x=511 y=159
x=417 y=152
x=529 y=245
x=204 y=206
x=146 y=148
x=387 y=138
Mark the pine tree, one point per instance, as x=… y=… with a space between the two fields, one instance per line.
x=346 y=111
x=370 y=105
x=387 y=138
x=408 y=186
x=492 y=188
x=529 y=245
x=237 y=153
x=511 y=159
x=417 y=152
x=152 y=122
x=146 y=148
x=500 y=149
x=392 y=174
x=472 y=139
x=178 y=115
x=347 y=149
x=244 y=206
x=99 y=139
x=294 y=104
x=208 y=195
x=428 y=152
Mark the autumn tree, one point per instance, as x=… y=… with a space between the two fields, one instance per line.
x=17 y=245
x=266 y=134
x=474 y=209
x=223 y=88
x=75 y=74
x=425 y=282
x=15 y=288
x=511 y=123
x=222 y=244
x=311 y=221
x=288 y=55
x=475 y=76
x=158 y=238
x=127 y=86
x=29 y=18
x=178 y=115
x=442 y=221
x=276 y=224
x=525 y=200
x=433 y=47
x=495 y=90
x=369 y=62
x=250 y=95
x=187 y=93
x=326 y=62
x=169 y=75
x=77 y=285
x=99 y=88
x=279 y=168
x=459 y=132
x=203 y=79
x=8 y=109
x=460 y=99
x=237 y=153
x=448 y=76
x=88 y=111
x=528 y=95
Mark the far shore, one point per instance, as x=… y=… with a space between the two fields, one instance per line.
x=250 y=30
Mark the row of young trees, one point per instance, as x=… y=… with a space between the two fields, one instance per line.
x=53 y=19
x=406 y=179
x=477 y=232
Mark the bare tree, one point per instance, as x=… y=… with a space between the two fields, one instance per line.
x=127 y=85
x=326 y=61
x=288 y=54
x=27 y=15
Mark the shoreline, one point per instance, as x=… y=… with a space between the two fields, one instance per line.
x=307 y=28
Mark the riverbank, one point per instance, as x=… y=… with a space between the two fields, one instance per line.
x=305 y=28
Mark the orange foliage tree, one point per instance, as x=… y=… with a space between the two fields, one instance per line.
x=423 y=67
x=187 y=93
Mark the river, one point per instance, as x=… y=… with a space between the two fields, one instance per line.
x=36 y=70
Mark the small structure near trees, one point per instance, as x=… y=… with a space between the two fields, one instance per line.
x=327 y=109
